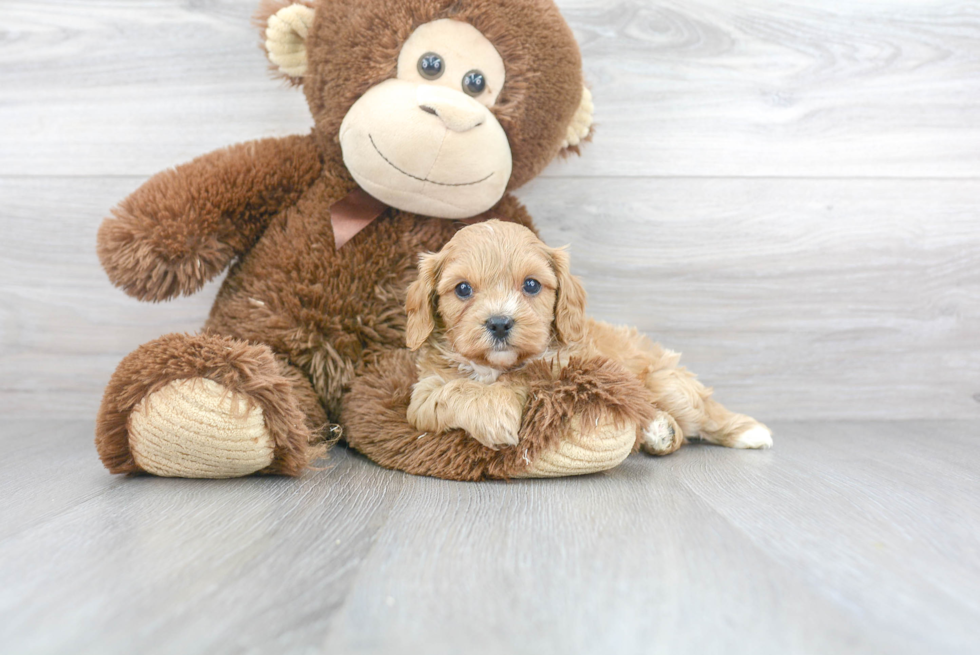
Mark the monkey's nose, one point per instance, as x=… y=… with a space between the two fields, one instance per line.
x=458 y=111
x=499 y=326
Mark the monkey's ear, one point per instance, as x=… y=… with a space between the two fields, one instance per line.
x=570 y=301
x=420 y=303
x=285 y=29
x=581 y=125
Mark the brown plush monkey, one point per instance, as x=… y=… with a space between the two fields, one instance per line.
x=437 y=109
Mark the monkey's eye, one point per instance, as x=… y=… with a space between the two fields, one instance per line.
x=474 y=83
x=464 y=291
x=431 y=66
x=532 y=287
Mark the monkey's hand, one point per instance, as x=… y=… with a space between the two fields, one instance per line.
x=185 y=225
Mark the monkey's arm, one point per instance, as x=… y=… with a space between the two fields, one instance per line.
x=185 y=225
x=490 y=413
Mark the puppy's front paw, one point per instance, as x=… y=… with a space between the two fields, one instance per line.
x=499 y=423
x=499 y=430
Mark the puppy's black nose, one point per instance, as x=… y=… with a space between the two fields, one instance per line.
x=499 y=326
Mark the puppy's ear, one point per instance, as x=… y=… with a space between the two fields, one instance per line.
x=570 y=301
x=420 y=303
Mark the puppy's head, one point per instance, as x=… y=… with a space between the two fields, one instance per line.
x=496 y=296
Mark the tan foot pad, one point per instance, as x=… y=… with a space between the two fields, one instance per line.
x=197 y=428
x=600 y=449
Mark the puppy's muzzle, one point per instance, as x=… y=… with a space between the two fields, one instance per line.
x=499 y=327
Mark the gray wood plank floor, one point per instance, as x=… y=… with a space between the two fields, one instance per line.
x=846 y=538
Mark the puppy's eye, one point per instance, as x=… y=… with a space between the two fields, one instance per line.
x=464 y=291
x=532 y=287
x=431 y=66
x=474 y=83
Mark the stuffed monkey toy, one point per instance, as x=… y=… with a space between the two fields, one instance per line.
x=428 y=114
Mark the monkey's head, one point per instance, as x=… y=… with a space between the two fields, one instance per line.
x=437 y=107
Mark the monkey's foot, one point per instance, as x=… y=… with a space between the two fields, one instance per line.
x=581 y=452
x=198 y=428
x=208 y=406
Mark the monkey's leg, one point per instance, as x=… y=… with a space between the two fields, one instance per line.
x=207 y=407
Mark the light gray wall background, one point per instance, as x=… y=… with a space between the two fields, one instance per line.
x=787 y=192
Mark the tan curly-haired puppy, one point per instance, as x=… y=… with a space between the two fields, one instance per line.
x=496 y=297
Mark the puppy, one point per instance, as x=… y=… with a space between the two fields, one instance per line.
x=496 y=297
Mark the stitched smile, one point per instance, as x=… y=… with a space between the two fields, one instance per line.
x=416 y=177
